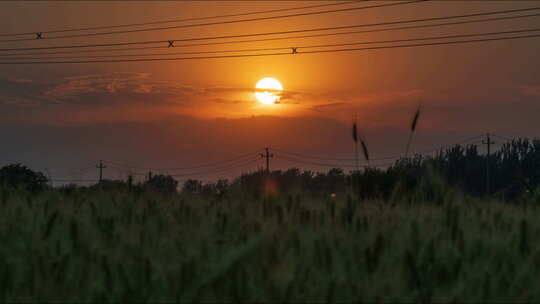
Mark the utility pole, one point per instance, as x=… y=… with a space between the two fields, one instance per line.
x=101 y=167
x=488 y=142
x=267 y=155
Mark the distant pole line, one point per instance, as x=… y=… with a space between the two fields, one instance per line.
x=220 y=170
x=221 y=162
x=267 y=155
x=40 y=35
x=291 y=157
x=393 y=157
x=267 y=33
x=488 y=142
x=101 y=167
x=276 y=54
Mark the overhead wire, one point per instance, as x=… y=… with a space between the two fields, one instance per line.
x=290 y=157
x=216 y=163
x=220 y=170
x=181 y=20
x=267 y=33
x=272 y=38
x=288 y=47
x=74 y=180
x=214 y=23
x=333 y=165
x=295 y=154
x=224 y=168
x=274 y=54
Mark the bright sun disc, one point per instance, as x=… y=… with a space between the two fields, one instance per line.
x=268 y=90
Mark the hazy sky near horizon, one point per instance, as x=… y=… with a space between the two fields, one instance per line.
x=177 y=113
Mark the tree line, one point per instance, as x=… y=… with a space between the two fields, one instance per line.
x=514 y=172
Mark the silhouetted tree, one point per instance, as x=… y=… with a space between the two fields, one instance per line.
x=162 y=183
x=192 y=186
x=19 y=176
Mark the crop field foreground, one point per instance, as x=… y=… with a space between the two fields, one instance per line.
x=124 y=247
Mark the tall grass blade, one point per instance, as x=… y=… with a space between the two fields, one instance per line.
x=414 y=124
x=355 y=139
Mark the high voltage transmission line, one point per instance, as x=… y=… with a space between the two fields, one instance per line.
x=294 y=52
x=298 y=48
x=269 y=39
x=171 y=42
x=181 y=20
x=41 y=37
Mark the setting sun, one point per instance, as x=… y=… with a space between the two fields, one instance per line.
x=268 y=90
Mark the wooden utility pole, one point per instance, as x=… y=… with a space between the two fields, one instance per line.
x=488 y=142
x=267 y=155
x=101 y=167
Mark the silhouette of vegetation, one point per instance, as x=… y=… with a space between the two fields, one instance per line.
x=20 y=177
x=162 y=183
x=117 y=245
x=192 y=186
x=515 y=174
x=408 y=233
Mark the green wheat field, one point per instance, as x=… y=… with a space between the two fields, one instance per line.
x=117 y=246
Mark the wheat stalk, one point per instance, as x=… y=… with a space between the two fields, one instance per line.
x=355 y=139
x=414 y=124
x=362 y=143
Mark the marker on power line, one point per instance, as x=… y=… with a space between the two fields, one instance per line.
x=264 y=18
x=101 y=166
x=488 y=142
x=267 y=155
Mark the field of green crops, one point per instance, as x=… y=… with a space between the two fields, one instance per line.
x=120 y=247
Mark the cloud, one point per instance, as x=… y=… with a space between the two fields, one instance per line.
x=115 y=96
x=227 y=101
x=116 y=88
x=329 y=106
x=20 y=92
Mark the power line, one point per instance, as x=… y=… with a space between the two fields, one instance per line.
x=511 y=139
x=41 y=37
x=274 y=54
x=333 y=165
x=272 y=33
x=286 y=48
x=351 y=32
x=292 y=157
x=239 y=157
x=278 y=38
x=74 y=180
x=295 y=154
x=420 y=44
x=181 y=20
x=221 y=170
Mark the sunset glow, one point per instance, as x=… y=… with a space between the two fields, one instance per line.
x=268 y=90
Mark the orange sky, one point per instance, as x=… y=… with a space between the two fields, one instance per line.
x=465 y=89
